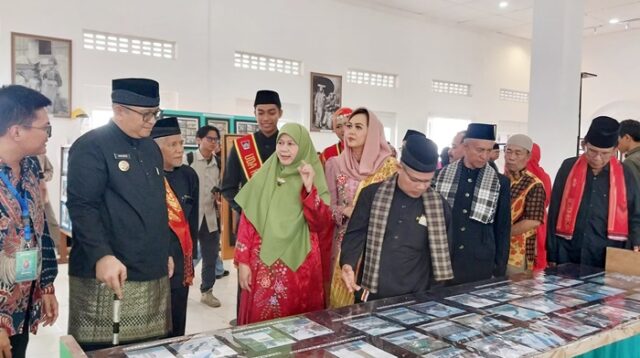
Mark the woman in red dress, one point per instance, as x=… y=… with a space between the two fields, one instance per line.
x=285 y=232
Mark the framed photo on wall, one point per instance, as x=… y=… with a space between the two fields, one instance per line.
x=43 y=64
x=245 y=127
x=326 y=98
x=220 y=123
x=189 y=128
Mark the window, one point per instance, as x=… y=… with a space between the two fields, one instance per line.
x=460 y=89
x=514 y=96
x=257 y=62
x=372 y=78
x=98 y=118
x=102 y=41
x=442 y=130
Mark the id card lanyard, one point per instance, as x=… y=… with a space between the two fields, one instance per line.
x=24 y=208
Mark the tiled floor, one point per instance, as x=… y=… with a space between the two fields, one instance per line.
x=199 y=317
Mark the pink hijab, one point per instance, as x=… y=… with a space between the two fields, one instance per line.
x=375 y=152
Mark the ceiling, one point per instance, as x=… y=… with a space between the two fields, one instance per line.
x=516 y=18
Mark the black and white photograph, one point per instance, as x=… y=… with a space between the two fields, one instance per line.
x=203 y=346
x=566 y=326
x=43 y=64
x=601 y=316
x=537 y=285
x=538 y=340
x=471 y=300
x=374 y=326
x=415 y=342
x=485 y=324
x=436 y=309
x=245 y=127
x=575 y=292
x=188 y=129
x=357 y=349
x=539 y=303
x=326 y=98
x=450 y=331
x=515 y=312
x=452 y=352
x=220 y=123
x=405 y=316
x=301 y=328
x=557 y=280
x=516 y=290
x=498 y=347
x=564 y=300
x=601 y=289
x=496 y=294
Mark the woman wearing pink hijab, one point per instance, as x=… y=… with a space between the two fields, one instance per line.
x=541 y=233
x=366 y=159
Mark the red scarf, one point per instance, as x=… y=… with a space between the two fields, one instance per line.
x=541 y=233
x=618 y=226
x=180 y=226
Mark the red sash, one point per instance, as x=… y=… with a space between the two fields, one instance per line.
x=617 y=223
x=331 y=151
x=180 y=226
x=248 y=154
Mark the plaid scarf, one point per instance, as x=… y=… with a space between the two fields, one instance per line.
x=437 y=228
x=485 y=195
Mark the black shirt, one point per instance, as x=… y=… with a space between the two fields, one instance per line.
x=234 y=177
x=405 y=262
x=184 y=183
x=479 y=250
x=116 y=201
x=589 y=242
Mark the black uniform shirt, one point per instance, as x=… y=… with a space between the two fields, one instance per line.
x=479 y=250
x=116 y=201
x=234 y=177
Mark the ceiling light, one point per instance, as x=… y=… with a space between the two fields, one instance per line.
x=615 y=20
x=626 y=26
x=503 y=4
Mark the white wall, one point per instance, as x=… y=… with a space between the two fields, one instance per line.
x=331 y=37
x=183 y=79
x=327 y=36
x=615 y=58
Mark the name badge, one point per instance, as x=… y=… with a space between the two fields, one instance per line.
x=119 y=156
x=27 y=265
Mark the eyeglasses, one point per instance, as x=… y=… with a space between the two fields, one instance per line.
x=46 y=128
x=212 y=139
x=146 y=116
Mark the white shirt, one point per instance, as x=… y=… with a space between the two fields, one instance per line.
x=209 y=177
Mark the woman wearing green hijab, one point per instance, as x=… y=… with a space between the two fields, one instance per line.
x=285 y=232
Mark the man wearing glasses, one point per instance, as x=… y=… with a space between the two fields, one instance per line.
x=400 y=228
x=594 y=202
x=116 y=200
x=527 y=203
x=207 y=165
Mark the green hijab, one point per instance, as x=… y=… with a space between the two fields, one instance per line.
x=271 y=201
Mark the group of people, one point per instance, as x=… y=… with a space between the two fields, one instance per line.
x=351 y=224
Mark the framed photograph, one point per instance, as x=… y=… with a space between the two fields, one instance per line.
x=220 y=123
x=43 y=64
x=326 y=98
x=188 y=128
x=245 y=127
x=229 y=218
